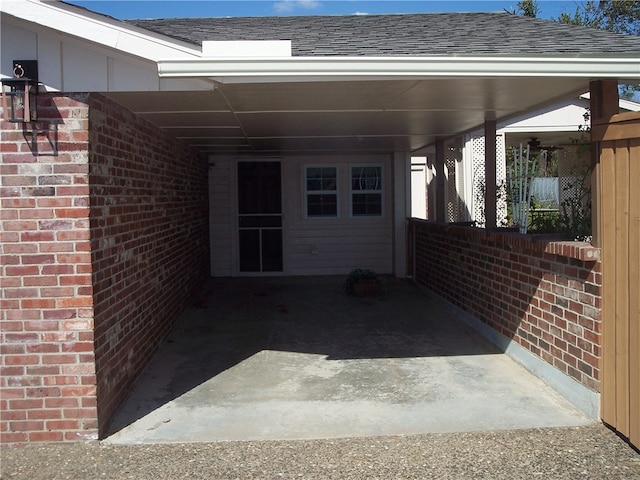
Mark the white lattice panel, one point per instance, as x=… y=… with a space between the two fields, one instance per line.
x=501 y=181
x=451 y=195
x=479 y=183
x=477 y=155
x=457 y=210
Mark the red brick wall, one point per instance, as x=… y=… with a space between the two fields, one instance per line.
x=48 y=377
x=149 y=238
x=102 y=243
x=545 y=296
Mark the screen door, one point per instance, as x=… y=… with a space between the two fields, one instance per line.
x=260 y=216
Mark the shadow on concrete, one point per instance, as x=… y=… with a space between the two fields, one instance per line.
x=237 y=318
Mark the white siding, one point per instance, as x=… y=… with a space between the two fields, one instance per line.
x=71 y=64
x=81 y=67
x=312 y=246
x=221 y=216
x=327 y=246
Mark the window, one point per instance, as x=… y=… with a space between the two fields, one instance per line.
x=366 y=191
x=322 y=193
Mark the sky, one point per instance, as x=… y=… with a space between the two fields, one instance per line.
x=125 y=9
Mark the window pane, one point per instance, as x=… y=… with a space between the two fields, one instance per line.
x=322 y=205
x=366 y=178
x=329 y=183
x=321 y=179
x=367 y=204
x=314 y=172
x=314 y=184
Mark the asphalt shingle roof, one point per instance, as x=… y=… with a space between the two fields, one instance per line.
x=402 y=34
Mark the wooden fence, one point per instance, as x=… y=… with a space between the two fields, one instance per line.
x=619 y=212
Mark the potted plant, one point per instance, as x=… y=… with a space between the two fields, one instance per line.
x=362 y=282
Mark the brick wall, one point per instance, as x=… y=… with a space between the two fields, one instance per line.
x=48 y=377
x=543 y=295
x=149 y=238
x=103 y=242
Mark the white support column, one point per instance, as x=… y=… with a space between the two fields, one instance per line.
x=419 y=187
x=401 y=210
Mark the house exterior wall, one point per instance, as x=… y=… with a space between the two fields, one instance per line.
x=312 y=246
x=564 y=116
x=149 y=242
x=103 y=244
x=330 y=246
x=544 y=296
x=48 y=376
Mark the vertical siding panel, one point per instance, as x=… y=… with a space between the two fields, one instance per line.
x=621 y=293
x=634 y=288
x=220 y=217
x=607 y=191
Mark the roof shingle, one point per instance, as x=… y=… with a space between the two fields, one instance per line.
x=403 y=34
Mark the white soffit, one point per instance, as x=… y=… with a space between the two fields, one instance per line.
x=302 y=68
x=246 y=48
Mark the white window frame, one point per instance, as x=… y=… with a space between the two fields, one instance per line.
x=379 y=191
x=308 y=192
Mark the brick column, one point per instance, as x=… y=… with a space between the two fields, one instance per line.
x=48 y=373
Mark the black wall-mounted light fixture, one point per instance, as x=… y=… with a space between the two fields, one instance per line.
x=19 y=94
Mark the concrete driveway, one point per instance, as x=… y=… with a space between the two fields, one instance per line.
x=296 y=358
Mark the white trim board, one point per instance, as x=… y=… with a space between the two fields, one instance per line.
x=303 y=68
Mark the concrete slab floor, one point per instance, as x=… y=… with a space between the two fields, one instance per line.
x=296 y=358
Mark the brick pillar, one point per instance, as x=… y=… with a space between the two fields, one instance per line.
x=48 y=376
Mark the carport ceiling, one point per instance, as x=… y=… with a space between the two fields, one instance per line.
x=377 y=116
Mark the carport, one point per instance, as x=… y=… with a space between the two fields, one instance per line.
x=162 y=107
x=365 y=111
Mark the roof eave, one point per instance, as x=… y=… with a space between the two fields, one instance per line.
x=249 y=69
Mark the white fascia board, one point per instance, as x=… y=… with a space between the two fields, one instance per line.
x=303 y=68
x=99 y=29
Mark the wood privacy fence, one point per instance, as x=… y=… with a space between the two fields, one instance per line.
x=619 y=218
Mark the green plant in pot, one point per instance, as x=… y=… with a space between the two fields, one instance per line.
x=362 y=282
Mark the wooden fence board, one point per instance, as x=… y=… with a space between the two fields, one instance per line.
x=608 y=251
x=619 y=220
x=621 y=214
x=634 y=289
